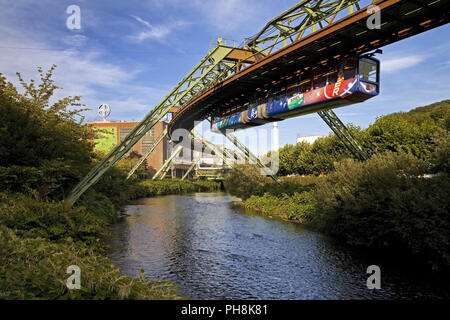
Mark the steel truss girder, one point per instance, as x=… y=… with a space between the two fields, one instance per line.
x=202 y=76
x=166 y=167
x=341 y=131
x=295 y=23
x=248 y=154
x=211 y=146
x=148 y=152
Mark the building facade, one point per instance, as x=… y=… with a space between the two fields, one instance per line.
x=112 y=133
x=308 y=139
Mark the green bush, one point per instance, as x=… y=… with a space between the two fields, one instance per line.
x=386 y=202
x=299 y=206
x=440 y=158
x=35 y=268
x=55 y=220
x=177 y=186
x=33 y=130
x=411 y=132
x=244 y=179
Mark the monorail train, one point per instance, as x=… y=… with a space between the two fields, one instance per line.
x=351 y=81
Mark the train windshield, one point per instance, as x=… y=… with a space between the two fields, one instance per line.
x=368 y=70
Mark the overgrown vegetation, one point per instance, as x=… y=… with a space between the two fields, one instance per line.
x=177 y=186
x=44 y=150
x=397 y=200
x=416 y=132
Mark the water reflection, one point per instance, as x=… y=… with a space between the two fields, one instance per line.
x=214 y=250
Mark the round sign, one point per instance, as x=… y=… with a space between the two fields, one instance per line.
x=104 y=111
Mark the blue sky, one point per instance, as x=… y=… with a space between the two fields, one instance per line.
x=129 y=54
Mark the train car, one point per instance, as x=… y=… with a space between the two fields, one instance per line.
x=353 y=80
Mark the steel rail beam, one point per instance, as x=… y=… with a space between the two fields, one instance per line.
x=148 y=153
x=297 y=20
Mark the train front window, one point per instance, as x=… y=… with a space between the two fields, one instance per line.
x=368 y=70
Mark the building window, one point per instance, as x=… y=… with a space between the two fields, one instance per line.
x=124 y=132
x=148 y=140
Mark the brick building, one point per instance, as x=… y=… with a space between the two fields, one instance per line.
x=115 y=132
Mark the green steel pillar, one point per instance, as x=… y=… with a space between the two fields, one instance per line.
x=194 y=163
x=341 y=131
x=149 y=152
x=202 y=76
x=165 y=168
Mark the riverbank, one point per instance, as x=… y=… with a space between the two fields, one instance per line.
x=46 y=153
x=40 y=239
x=396 y=201
x=384 y=203
x=215 y=250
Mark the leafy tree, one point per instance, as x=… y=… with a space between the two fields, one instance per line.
x=386 y=202
x=34 y=130
x=244 y=179
x=440 y=158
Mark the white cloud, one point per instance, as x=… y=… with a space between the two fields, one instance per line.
x=81 y=70
x=397 y=64
x=155 y=32
x=226 y=16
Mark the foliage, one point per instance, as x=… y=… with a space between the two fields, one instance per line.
x=177 y=186
x=299 y=206
x=386 y=202
x=411 y=132
x=244 y=179
x=440 y=158
x=35 y=268
x=55 y=220
x=34 y=130
x=50 y=180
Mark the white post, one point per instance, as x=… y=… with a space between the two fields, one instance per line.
x=275 y=141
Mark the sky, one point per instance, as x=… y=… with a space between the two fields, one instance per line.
x=129 y=54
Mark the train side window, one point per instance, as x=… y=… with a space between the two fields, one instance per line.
x=305 y=86
x=332 y=77
x=320 y=81
x=293 y=90
x=350 y=69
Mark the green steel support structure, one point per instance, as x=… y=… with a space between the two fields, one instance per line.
x=249 y=155
x=212 y=147
x=209 y=70
x=149 y=152
x=297 y=22
x=292 y=25
x=194 y=163
x=166 y=167
x=342 y=133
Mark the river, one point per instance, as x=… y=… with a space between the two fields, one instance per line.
x=213 y=249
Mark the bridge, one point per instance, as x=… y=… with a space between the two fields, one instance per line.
x=308 y=35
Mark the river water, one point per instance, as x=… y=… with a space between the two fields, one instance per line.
x=213 y=249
